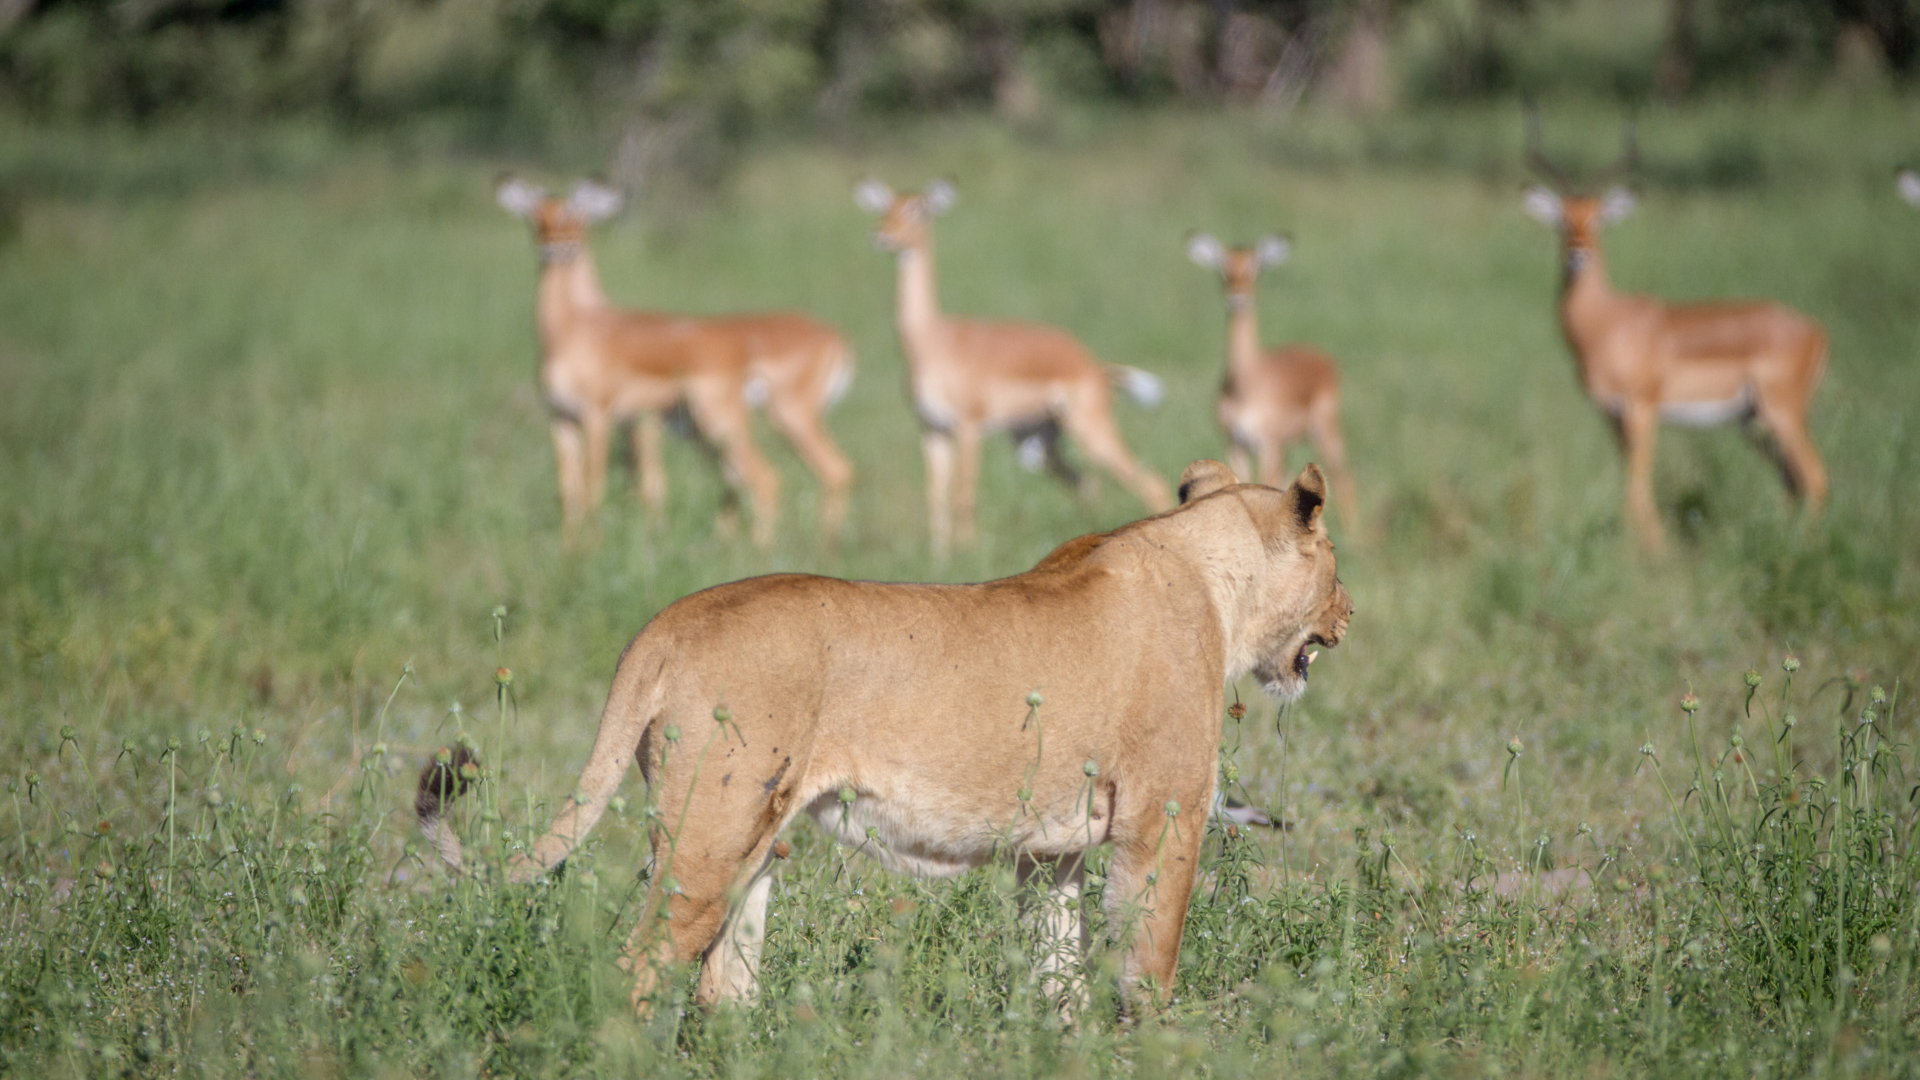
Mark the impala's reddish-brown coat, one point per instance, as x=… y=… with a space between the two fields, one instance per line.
x=1271 y=398
x=970 y=377
x=1643 y=360
x=601 y=364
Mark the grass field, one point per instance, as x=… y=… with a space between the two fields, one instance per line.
x=271 y=460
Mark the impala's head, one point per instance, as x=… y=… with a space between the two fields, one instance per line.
x=1578 y=217
x=1240 y=267
x=1287 y=599
x=1908 y=183
x=904 y=219
x=1564 y=205
x=559 y=225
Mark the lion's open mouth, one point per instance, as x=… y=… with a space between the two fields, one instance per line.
x=1304 y=658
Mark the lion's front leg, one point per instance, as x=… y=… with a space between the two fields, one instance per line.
x=1050 y=901
x=1155 y=858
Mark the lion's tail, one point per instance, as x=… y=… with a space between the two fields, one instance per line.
x=446 y=778
x=631 y=709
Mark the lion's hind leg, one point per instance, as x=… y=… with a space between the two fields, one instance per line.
x=730 y=971
x=707 y=899
x=715 y=911
x=1050 y=903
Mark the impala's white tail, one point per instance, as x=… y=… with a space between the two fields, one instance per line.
x=1032 y=453
x=841 y=380
x=1143 y=387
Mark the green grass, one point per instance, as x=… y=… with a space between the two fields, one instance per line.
x=269 y=439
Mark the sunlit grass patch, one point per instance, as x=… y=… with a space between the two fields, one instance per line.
x=263 y=443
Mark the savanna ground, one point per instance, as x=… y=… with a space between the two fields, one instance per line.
x=274 y=465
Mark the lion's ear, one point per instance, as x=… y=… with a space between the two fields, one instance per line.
x=1203 y=478
x=1305 y=498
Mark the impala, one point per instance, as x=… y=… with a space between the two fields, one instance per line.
x=602 y=364
x=1272 y=398
x=1643 y=361
x=969 y=377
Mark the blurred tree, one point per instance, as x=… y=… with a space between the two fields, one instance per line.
x=1673 y=76
x=674 y=84
x=1895 y=24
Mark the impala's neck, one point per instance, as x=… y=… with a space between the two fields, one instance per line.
x=569 y=286
x=1243 y=336
x=1587 y=299
x=919 y=308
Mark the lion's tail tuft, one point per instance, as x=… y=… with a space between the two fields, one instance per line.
x=447 y=777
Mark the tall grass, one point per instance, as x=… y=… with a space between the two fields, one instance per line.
x=279 y=510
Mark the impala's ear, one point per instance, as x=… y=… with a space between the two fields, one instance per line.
x=519 y=198
x=1203 y=478
x=1615 y=204
x=1543 y=205
x=1273 y=250
x=1206 y=253
x=939 y=197
x=1909 y=185
x=873 y=196
x=594 y=201
x=1305 y=498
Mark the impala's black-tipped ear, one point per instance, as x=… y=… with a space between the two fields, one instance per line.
x=1306 y=497
x=1203 y=478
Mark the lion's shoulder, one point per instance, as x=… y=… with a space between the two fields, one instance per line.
x=1072 y=553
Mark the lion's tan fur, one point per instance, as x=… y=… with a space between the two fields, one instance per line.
x=913 y=699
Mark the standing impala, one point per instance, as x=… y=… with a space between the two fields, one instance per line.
x=601 y=364
x=1643 y=361
x=969 y=377
x=1273 y=398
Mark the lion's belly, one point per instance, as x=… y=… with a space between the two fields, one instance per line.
x=935 y=835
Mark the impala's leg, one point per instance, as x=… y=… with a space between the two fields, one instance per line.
x=647 y=463
x=1324 y=425
x=1639 y=426
x=598 y=429
x=1272 y=455
x=1786 y=420
x=801 y=423
x=937 y=446
x=1090 y=421
x=1054 y=910
x=570 y=453
x=966 y=480
x=721 y=412
x=1240 y=461
x=1150 y=881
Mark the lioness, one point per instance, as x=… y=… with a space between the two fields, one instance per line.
x=1076 y=704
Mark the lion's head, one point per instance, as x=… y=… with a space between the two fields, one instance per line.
x=1293 y=601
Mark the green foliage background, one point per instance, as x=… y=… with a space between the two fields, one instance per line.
x=270 y=458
